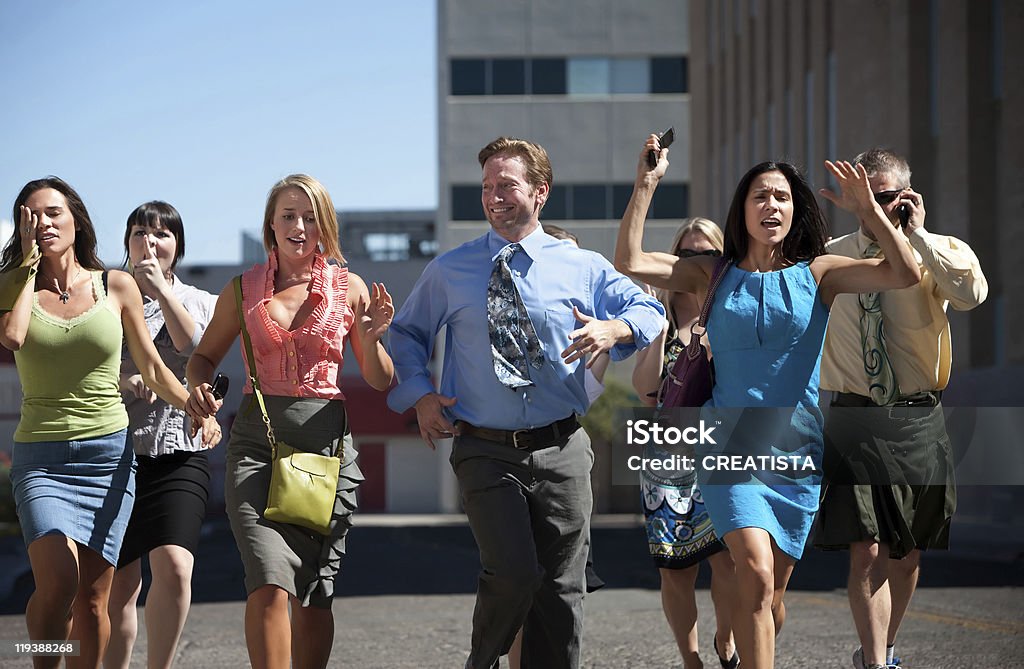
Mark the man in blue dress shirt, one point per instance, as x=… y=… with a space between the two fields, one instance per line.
x=524 y=311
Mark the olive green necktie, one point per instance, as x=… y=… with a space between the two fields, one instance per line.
x=882 y=385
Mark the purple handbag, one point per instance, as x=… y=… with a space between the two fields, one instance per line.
x=689 y=382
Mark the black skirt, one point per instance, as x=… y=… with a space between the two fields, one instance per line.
x=170 y=503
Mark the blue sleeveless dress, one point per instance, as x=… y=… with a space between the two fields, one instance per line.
x=766 y=331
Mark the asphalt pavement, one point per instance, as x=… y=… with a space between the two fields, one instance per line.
x=406 y=597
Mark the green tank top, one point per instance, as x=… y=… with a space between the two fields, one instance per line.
x=68 y=371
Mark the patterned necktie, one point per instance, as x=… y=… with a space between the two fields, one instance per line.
x=513 y=337
x=882 y=387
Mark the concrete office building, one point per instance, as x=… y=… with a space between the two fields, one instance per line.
x=936 y=80
x=588 y=80
x=932 y=79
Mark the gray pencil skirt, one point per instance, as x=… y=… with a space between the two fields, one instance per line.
x=299 y=561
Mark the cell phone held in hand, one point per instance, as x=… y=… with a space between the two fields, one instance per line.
x=664 y=139
x=219 y=387
x=903 y=211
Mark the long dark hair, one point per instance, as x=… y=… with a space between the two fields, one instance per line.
x=154 y=215
x=85 y=234
x=809 y=232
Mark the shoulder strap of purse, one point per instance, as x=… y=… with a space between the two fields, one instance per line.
x=721 y=268
x=253 y=376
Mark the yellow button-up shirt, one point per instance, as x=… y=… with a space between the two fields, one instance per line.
x=916 y=327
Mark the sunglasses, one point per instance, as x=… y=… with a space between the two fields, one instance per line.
x=886 y=196
x=689 y=253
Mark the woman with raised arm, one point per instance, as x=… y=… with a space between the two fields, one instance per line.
x=766 y=328
x=299 y=309
x=172 y=483
x=73 y=469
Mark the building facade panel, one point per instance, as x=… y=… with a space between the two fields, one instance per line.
x=475 y=27
x=936 y=80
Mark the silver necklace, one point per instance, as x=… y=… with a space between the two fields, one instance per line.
x=65 y=294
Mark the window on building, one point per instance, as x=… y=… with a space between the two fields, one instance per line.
x=575 y=76
x=548 y=76
x=589 y=76
x=466 y=203
x=620 y=198
x=424 y=248
x=631 y=75
x=557 y=206
x=668 y=75
x=387 y=245
x=508 y=76
x=583 y=202
x=468 y=76
x=671 y=201
x=590 y=201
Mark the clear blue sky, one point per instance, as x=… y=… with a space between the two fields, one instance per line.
x=206 y=105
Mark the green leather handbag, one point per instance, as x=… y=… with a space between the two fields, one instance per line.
x=303 y=485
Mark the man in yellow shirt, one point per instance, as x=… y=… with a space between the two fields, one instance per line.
x=888 y=462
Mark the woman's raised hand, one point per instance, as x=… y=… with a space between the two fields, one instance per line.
x=379 y=312
x=854 y=187
x=643 y=168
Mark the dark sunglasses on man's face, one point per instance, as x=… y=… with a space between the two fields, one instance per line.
x=886 y=196
x=689 y=253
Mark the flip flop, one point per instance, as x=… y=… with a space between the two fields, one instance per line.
x=731 y=663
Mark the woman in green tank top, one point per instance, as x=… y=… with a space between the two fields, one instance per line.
x=73 y=468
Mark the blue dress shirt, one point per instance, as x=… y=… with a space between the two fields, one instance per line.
x=552 y=276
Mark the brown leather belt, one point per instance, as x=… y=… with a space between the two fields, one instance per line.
x=525 y=440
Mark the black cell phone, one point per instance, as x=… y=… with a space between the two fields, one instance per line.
x=903 y=211
x=664 y=139
x=219 y=388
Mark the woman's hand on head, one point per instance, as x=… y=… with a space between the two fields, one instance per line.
x=28 y=227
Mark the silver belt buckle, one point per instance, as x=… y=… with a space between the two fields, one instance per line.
x=515 y=438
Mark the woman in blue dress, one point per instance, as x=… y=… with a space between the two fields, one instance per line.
x=766 y=327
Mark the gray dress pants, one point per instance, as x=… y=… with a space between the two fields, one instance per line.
x=530 y=516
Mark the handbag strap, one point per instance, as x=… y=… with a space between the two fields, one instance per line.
x=253 y=376
x=721 y=268
x=255 y=380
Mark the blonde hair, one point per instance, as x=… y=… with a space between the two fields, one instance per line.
x=702 y=226
x=323 y=208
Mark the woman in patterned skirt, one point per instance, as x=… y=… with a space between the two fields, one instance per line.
x=679 y=532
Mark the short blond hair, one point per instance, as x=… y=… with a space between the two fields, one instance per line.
x=699 y=225
x=534 y=157
x=323 y=208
